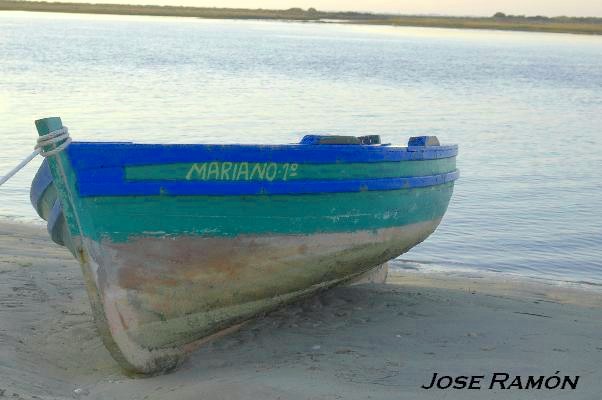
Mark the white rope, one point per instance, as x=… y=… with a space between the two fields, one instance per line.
x=18 y=167
x=52 y=138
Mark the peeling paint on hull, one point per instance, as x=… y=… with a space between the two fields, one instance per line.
x=157 y=296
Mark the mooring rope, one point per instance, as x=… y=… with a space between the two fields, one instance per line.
x=52 y=138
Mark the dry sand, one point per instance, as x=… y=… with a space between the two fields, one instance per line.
x=361 y=342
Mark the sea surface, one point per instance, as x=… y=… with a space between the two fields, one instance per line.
x=525 y=109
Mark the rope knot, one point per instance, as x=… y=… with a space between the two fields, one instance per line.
x=52 y=138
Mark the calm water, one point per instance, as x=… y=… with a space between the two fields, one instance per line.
x=525 y=108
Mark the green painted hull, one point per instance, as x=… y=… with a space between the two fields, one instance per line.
x=120 y=218
x=165 y=272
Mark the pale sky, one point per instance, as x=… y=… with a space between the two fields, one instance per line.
x=448 y=7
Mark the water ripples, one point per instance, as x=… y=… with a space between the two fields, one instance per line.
x=525 y=109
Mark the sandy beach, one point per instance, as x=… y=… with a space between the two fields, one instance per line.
x=360 y=342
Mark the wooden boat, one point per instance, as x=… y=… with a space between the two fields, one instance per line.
x=178 y=243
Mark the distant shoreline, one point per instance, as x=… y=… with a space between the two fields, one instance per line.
x=576 y=25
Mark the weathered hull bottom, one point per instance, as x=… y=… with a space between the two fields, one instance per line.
x=154 y=299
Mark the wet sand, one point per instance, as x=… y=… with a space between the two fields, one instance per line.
x=360 y=342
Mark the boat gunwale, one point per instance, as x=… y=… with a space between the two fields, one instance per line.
x=90 y=155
